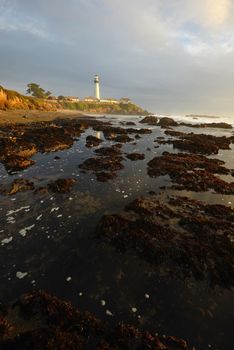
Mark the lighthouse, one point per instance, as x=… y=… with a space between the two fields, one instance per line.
x=97 y=89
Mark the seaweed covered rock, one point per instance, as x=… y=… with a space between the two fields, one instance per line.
x=191 y=172
x=61 y=185
x=42 y=321
x=102 y=163
x=15 y=163
x=135 y=156
x=18 y=185
x=57 y=186
x=109 y=151
x=92 y=141
x=188 y=237
x=106 y=164
x=221 y=125
x=19 y=142
x=199 y=143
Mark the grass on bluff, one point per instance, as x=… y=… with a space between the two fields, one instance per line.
x=12 y=100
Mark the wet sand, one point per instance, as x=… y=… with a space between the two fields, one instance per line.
x=28 y=116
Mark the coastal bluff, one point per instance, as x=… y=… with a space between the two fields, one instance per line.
x=12 y=100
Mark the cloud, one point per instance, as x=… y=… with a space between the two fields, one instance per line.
x=13 y=20
x=161 y=53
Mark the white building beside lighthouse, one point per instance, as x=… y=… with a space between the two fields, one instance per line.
x=97 y=88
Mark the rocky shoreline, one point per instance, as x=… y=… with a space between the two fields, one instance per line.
x=186 y=237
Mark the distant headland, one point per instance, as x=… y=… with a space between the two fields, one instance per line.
x=39 y=99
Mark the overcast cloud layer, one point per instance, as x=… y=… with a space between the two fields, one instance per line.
x=169 y=56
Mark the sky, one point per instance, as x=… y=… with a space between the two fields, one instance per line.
x=169 y=56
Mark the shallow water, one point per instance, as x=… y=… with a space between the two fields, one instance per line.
x=50 y=239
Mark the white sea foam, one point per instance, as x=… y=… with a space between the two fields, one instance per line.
x=24 y=231
x=200 y=119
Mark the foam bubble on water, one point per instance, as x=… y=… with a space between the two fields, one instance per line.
x=54 y=209
x=109 y=313
x=6 y=240
x=24 y=230
x=10 y=212
x=21 y=275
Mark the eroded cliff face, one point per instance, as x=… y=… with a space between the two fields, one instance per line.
x=13 y=100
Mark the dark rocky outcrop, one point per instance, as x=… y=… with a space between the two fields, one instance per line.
x=191 y=172
x=18 y=185
x=104 y=176
x=104 y=166
x=61 y=185
x=187 y=237
x=198 y=143
x=42 y=321
x=19 y=142
x=102 y=163
x=150 y=120
x=166 y=122
x=109 y=151
x=92 y=141
x=130 y=123
x=136 y=156
x=122 y=138
x=119 y=134
x=209 y=125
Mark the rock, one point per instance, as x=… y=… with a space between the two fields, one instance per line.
x=209 y=125
x=109 y=151
x=139 y=131
x=167 y=122
x=61 y=185
x=136 y=156
x=109 y=161
x=199 y=143
x=102 y=164
x=150 y=120
x=41 y=190
x=191 y=172
x=19 y=142
x=123 y=138
x=92 y=141
x=183 y=235
x=18 y=185
x=16 y=163
x=104 y=176
x=39 y=320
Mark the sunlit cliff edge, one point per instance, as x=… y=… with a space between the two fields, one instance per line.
x=12 y=100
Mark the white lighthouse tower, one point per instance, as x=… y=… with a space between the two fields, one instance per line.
x=97 y=89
